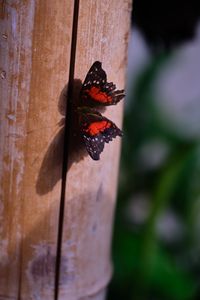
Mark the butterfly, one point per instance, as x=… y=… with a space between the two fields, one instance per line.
x=96 y=129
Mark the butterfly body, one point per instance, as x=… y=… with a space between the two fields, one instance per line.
x=96 y=129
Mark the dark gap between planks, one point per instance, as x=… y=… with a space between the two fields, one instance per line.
x=68 y=122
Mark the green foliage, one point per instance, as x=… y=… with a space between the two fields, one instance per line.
x=146 y=264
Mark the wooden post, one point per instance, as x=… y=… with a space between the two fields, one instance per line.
x=35 y=41
x=35 y=38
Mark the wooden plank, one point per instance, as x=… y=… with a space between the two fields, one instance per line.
x=91 y=185
x=35 y=38
x=16 y=64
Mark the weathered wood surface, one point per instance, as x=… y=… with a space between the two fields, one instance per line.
x=35 y=58
x=90 y=193
x=35 y=39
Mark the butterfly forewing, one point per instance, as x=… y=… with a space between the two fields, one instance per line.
x=97 y=90
x=98 y=130
x=95 y=76
x=94 y=145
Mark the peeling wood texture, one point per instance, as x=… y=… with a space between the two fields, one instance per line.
x=35 y=41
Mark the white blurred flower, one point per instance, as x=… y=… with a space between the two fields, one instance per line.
x=152 y=154
x=169 y=228
x=138 y=209
x=177 y=90
x=138 y=57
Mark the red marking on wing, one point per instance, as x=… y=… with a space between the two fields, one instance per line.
x=96 y=94
x=97 y=127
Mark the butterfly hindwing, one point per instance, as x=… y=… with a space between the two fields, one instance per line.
x=96 y=90
x=97 y=130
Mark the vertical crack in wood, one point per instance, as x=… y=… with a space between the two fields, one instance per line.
x=68 y=122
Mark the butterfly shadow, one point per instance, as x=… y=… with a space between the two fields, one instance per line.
x=51 y=167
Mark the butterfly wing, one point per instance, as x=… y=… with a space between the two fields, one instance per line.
x=98 y=130
x=96 y=90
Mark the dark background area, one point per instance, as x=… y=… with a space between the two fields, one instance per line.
x=166 y=24
x=156 y=244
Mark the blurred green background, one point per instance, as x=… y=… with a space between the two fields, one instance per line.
x=156 y=244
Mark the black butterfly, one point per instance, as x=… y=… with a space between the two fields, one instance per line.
x=95 y=128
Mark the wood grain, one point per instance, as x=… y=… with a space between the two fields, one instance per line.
x=35 y=41
x=91 y=185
